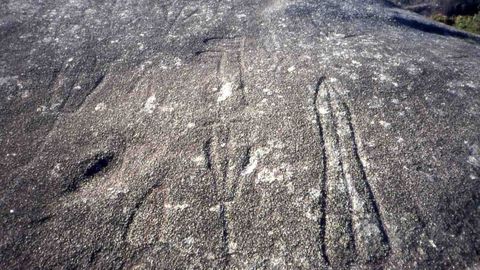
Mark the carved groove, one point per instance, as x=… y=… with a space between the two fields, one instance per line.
x=207 y=153
x=138 y=205
x=350 y=223
x=225 y=235
x=323 y=178
x=228 y=53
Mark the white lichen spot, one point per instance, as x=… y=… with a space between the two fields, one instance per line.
x=323 y=111
x=178 y=62
x=189 y=240
x=177 y=206
x=356 y=63
x=414 y=70
x=276 y=144
x=54 y=106
x=474 y=160
x=400 y=140
x=225 y=91
x=375 y=102
x=314 y=193
x=368 y=229
x=432 y=244
x=290 y=188
x=199 y=160
x=190 y=125
x=150 y=104
x=291 y=69
x=395 y=101
x=267 y=175
x=251 y=166
x=211 y=256
x=310 y=216
x=232 y=246
x=267 y=91
x=277 y=261
x=25 y=94
x=456 y=88
x=384 y=124
x=471 y=84
x=100 y=106
x=167 y=109
x=383 y=77
x=56 y=170
x=215 y=208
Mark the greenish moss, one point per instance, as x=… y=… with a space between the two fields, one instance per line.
x=441 y=18
x=468 y=23
x=465 y=23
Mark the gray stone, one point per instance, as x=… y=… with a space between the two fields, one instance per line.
x=236 y=134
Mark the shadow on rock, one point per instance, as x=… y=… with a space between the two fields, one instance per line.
x=434 y=29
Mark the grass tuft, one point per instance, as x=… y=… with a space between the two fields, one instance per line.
x=465 y=23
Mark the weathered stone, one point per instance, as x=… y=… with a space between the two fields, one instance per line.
x=236 y=134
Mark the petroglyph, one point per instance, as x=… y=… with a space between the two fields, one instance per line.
x=230 y=68
x=350 y=224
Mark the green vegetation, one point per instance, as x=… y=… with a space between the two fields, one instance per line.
x=442 y=18
x=466 y=23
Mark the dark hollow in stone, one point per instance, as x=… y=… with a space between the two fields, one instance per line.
x=90 y=168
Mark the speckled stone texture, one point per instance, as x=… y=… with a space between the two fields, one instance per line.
x=279 y=134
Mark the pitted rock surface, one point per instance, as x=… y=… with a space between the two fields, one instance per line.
x=279 y=134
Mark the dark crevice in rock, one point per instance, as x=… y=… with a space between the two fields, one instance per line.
x=245 y=158
x=431 y=28
x=88 y=169
x=40 y=220
x=94 y=255
x=99 y=164
x=323 y=177
x=207 y=152
x=138 y=204
x=225 y=235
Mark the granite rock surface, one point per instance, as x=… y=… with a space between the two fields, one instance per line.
x=279 y=134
